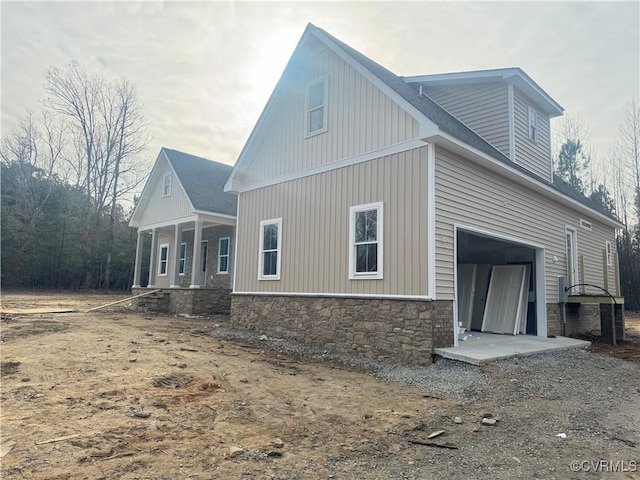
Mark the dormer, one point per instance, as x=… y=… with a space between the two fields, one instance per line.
x=504 y=106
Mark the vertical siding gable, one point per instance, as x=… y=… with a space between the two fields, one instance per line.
x=159 y=208
x=534 y=156
x=473 y=196
x=482 y=107
x=360 y=119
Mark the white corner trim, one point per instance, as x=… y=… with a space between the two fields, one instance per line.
x=327 y=167
x=431 y=221
x=341 y=295
x=512 y=122
x=235 y=248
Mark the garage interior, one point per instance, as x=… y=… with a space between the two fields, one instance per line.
x=477 y=255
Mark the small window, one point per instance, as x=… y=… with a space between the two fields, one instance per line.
x=584 y=224
x=533 y=125
x=365 y=239
x=183 y=258
x=316 y=106
x=270 y=247
x=164 y=259
x=609 y=254
x=223 y=254
x=166 y=185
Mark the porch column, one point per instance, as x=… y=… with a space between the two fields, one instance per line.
x=196 y=269
x=175 y=270
x=137 y=269
x=153 y=260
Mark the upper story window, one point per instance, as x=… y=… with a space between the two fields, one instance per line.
x=533 y=125
x=316 y=107
x=166 y=185
x=365 y=241
x=270 y=248
x=609 y=254
x=223 y=254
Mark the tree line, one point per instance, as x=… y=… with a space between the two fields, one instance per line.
x=613 y=182
x=66 y=171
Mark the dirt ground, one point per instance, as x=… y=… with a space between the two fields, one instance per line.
x=118 y=395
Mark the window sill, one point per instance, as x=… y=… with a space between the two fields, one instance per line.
x=275 y=277
x=365 y=277
x=222 y=273
x=318 y=132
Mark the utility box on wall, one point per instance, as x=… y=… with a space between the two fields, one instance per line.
x=563 y=297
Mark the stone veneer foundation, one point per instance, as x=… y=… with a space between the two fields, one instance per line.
x=399 y=331
x=192 y=301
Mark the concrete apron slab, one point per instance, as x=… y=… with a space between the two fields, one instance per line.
x=478 y=348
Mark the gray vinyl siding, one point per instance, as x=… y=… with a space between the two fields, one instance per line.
x=315 y=228
x=157 y=208
x=360 y=119
x=483 y=107
x=470 y=195
x=534 y=156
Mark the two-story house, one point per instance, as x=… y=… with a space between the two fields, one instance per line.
x=380 y=214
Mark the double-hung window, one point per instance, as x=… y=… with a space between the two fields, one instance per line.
x=164 y=259
x=183 y=258
x=533 y=125
x=223 y=254
x=270 y=249
x=166 y=185
x=365 y=241
x=316 y=107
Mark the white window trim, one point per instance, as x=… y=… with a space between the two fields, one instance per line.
x=166 y=270
x=576 y=257
x=277 y=221
x=609 y=250
x=183 y=260
x=533 y=115
x=307 y=133
x=379 y=206
x=228 y=255
x=166 y=184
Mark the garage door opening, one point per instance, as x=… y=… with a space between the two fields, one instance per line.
x=499 y=285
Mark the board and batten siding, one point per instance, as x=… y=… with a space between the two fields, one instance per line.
x=159 y=208
x=483 y=107
x=534 y=156
x=360 y=119
x=315 y=228
x=469 y=195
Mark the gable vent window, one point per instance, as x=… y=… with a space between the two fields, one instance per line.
x=533 y=125
x=166 y=185
x=585 y=224
x=316 y=105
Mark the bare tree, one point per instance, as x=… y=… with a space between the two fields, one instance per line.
x=33 y=151
x=109 y=132
x=630 y=148
x=108 y=129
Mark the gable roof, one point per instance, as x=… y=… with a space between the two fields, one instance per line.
x=451 y=125
x=434 y=120
x=514 y=75
x=203 y=181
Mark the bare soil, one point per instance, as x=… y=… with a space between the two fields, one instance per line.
x=119 y=395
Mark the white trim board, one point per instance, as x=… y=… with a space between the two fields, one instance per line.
x=327 y=167
x=431 y=221
x=340 y=295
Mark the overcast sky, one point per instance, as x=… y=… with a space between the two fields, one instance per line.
x=205 y=70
